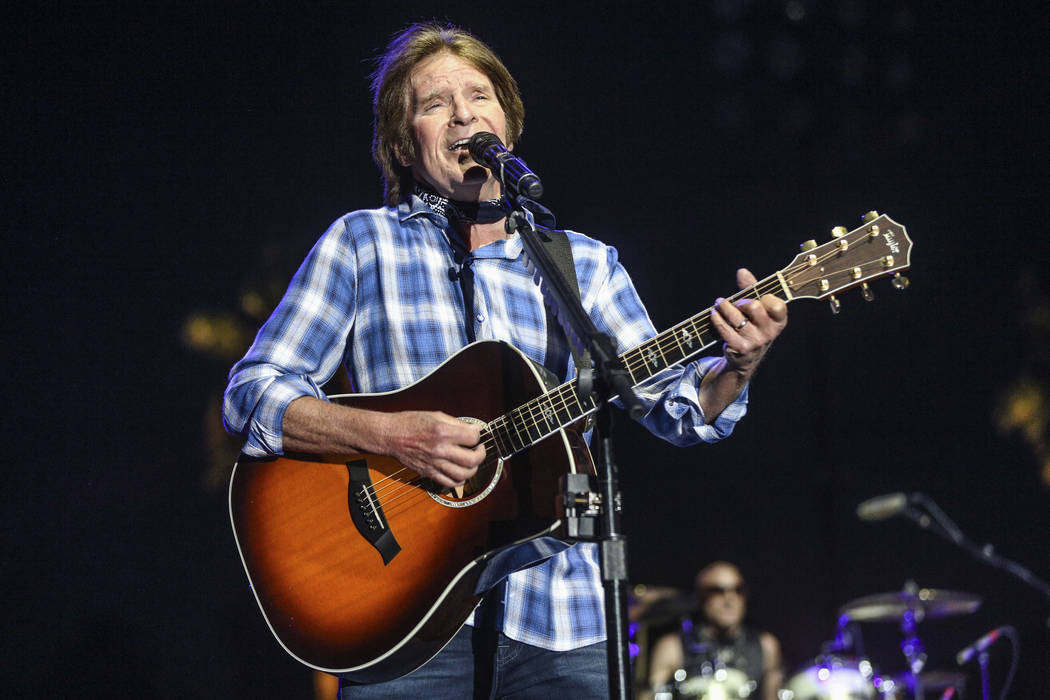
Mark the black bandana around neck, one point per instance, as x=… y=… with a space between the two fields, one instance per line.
x=463 y=212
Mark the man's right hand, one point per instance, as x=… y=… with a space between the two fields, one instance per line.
x=433 y=444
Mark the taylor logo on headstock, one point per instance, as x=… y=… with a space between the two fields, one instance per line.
x=878 y=248
x=891 y=241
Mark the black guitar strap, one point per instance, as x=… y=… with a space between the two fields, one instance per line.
x=557 y=243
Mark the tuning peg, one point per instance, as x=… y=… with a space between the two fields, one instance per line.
x=871 y=216
x=838 y=232
x=835 y=304
x=808 y=245
x=899 y=281
x=866 y=292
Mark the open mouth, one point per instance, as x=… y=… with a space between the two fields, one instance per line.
x=462 y=146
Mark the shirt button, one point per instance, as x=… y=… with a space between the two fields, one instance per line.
x=481 y=318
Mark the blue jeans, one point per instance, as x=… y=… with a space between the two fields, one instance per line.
x=469 y=667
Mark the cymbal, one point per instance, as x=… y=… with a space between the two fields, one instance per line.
x=922 y=603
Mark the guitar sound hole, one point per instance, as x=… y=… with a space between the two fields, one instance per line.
x=475 y=489
x=474 y=485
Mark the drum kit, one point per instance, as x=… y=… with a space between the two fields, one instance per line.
x=839 y=672
x=836 y=674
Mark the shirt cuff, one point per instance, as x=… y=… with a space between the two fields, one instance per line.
x=687 y=399
x=266 y=427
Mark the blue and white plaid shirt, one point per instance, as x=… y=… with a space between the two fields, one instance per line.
x=379 y=294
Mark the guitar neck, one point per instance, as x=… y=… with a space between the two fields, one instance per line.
x=690 y=337
x=563 y=406
x=878 y=248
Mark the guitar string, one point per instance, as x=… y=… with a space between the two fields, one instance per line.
x=635 y=359
x=664 y=343
x=392 y=492
x=818 y=273
x=536 y=410
x=375 y=489
x=671 y=338
x=406 y=497
x=378 y=492
x=403 y=498
x=535 y=407
x=529 y=416
x=403 y=503
x=793 y=275
x=700 y=323
x=402 y=488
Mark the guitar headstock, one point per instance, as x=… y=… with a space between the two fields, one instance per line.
x=880 y=247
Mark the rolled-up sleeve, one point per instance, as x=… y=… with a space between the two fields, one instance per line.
x=298 y=348
x=675 y=413
x=671 y=396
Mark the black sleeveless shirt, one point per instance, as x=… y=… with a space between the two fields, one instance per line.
x=742 y=652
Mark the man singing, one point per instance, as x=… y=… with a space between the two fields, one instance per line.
x=375 y=296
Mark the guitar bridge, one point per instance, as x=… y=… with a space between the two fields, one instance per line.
x=367 y=513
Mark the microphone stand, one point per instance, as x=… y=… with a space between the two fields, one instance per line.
x=611 y=382
x=986 y=553
x=982 y=661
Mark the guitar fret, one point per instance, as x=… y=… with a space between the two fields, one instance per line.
x=521 y=429
x=575 y=400
x=687 y=337
x=528 y=424
x=549 y=413
x=514 y=434
x=654 y=357
x=566 y=408
x=591 y=405
x=678 y=342
x=562 y=406
x=627 y=366
x=667 y=349
x=531 y=428
x=498 y=430
x=633 y=362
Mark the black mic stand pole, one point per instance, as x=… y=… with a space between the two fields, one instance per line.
x=948 y=530
x=610 y=383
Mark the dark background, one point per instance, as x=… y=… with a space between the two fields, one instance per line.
x=153 y=150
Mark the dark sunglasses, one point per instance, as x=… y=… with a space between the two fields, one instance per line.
x=739 y=589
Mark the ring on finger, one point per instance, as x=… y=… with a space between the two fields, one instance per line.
x=740 y=326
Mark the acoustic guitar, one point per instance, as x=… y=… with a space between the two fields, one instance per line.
x=362 y=568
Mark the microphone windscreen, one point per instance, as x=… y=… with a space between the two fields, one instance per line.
x=882 y=507
x=481 y=141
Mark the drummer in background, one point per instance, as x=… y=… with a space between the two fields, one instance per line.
x=718 y=636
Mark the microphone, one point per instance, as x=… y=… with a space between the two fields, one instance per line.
x=882 y=507
x=981 y=644
x=486 y=149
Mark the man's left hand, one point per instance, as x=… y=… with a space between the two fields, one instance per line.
x=749 y=326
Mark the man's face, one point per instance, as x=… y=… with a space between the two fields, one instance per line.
x=723 y=598
x=450 y=101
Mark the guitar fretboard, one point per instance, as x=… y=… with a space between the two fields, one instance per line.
x=560 y=407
